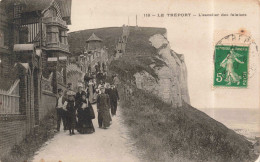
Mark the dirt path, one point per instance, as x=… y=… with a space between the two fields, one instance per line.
x=110 y=145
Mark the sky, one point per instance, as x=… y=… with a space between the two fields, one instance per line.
x=192 y=36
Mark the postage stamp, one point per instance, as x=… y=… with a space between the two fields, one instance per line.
x=231 y=66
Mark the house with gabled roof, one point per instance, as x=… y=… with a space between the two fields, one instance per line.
x=95 y=57
x=33 y=58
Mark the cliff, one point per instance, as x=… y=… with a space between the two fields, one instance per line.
x=172 y=83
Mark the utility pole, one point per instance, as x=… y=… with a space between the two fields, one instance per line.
x=136 y=21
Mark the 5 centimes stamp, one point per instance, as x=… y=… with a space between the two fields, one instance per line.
x=235 y=59
x=231 y=66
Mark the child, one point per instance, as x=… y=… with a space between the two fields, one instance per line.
x=71 y=112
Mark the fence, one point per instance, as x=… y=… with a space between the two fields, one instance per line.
x=9 y=100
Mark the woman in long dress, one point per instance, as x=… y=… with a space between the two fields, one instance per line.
x=85 y=116
x=103 y=107
x=227 y=63
x=91 y=91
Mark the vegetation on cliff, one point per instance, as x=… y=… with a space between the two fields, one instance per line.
x=140 y=54
x=128 y=65
x=165 y=133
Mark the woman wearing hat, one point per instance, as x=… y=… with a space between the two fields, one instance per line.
x=79 y=94
x=69 y=88
x=85 y=116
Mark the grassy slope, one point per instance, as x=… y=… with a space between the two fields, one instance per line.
x=180 y=134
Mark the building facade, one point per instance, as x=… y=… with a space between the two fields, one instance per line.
x=33 y=62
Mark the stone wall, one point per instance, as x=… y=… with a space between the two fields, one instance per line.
x=13 y=130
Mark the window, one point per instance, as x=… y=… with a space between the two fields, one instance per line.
x=1 y=38
x=60 y=36
x=1 y=66
x=48 y=37
x=17 y=10
x=52 y=35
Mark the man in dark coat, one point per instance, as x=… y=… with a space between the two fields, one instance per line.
x=71 y=112
x=114 y=97
x=99 y=78
x=61 y=113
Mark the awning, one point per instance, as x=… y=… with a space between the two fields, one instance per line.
x=23 y=47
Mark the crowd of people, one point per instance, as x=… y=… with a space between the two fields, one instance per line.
x=75 y=109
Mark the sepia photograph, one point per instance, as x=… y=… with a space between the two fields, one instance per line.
x=129 y=81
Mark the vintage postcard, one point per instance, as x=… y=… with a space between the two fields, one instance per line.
x=129 y=81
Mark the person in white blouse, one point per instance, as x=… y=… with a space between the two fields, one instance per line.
x=61 y=111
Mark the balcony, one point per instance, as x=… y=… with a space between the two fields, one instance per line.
x=55 y=21
x=57 y=46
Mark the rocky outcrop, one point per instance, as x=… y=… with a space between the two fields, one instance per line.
x=171 y=85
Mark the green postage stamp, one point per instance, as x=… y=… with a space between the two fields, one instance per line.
x=231 y=66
